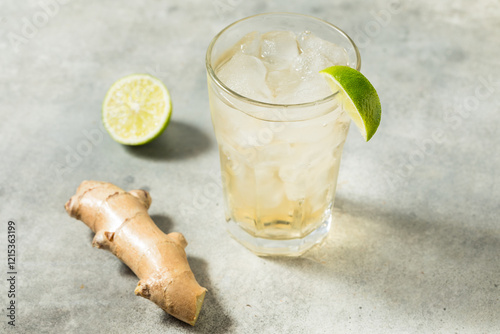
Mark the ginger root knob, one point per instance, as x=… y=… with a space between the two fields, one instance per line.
x=122 y=225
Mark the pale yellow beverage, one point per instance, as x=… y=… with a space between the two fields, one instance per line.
x=279 y=128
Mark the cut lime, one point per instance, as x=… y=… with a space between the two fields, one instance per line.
x=358 y=96
x=136 y=109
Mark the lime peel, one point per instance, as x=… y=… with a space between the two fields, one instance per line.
x=359 y=97
x=137 y=109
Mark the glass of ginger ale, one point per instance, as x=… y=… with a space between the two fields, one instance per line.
x=279 y=126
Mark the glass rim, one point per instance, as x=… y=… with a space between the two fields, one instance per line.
x=213 y=76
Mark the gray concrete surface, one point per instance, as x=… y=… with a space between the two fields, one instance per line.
x=416 y=241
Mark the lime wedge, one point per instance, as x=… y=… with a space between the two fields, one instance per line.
x=358 y=97
x=136 y=109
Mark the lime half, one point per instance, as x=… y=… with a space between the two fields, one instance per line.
x=358 y=96
x=136 y=109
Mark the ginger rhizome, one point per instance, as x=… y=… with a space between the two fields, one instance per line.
x=122 y=225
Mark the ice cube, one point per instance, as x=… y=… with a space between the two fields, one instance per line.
x=282 y=84
x=246 y=75
x=294 y=181
x=241 y=187
x=295 y=191
x=250 y=44
x=278 y=49
x=269 y=188
x=276 y=153
x=299 y=88
x=316 y=55
x=333 y=53
x=291 y=172
x=307 y=40
x=312 y=88
x=310 y=62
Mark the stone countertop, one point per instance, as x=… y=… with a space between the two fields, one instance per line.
x=416 y=237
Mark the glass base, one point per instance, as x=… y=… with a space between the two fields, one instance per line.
x=274 y=247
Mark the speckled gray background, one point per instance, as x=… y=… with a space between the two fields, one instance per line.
x=415 y=247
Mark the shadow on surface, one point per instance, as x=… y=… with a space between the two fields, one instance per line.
x=90 y=236
x=126 y=271
x=213 y=317
x=164 y=223
x=423 y=267
x=179 y=141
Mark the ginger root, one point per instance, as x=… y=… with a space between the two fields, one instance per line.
x=122 y=225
